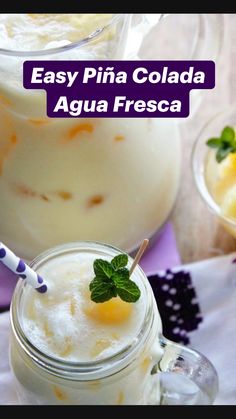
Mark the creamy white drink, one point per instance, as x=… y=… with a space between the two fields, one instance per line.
x=38 y=31
x=111 y=180
x=66 y=326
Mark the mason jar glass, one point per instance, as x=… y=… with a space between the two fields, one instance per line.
x=148 y=370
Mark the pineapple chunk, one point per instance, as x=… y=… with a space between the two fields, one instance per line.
x=120 y=398
x=228 y=209
x=72 y=307
x=226 y=178
x=100 y=346
x=228 y=205
x=114 y=311
x=47 y=331
x=228 y=166
x=221 y=187
x=67 y=348
x=60 y=395
x=31 y=310
x=146 y=363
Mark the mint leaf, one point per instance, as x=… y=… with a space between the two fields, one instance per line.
x=102 y=269
x=225 y=144
x=214 y=142
x=112 y=279
x=103 y=292
x=121 y=275
x=119 y=261
x=228 y=134
x=97 y=281
x=222 y=153
x=128 y=291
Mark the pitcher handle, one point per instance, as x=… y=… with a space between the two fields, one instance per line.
x=211 y=32
x=208 y=40
x=139 y=26
x=206 y=46
x=186 y=376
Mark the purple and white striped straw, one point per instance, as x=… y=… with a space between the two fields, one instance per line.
x=20 y=268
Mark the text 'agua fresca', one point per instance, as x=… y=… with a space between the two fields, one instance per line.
x=118 y=88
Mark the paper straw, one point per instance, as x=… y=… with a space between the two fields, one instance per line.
x=20 y=268
x=139 y=254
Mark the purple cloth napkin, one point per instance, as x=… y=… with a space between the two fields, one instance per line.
x=162 y=254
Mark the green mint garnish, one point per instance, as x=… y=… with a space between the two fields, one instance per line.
x=112 y=279
x=119 y=261
x=225 y=144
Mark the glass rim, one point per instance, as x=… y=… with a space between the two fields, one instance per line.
x=58 y=366
x=198 y=168
x=37 y=53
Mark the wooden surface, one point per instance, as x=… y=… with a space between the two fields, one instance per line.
x=198 y=233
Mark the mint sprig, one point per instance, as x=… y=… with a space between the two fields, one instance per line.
x=225 y=144
x=112 y=279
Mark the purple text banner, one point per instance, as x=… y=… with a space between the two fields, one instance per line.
x=117 y=89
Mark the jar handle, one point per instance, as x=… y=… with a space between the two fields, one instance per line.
x=186 y=376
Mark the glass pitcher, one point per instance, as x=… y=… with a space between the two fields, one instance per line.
x=106 y=179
